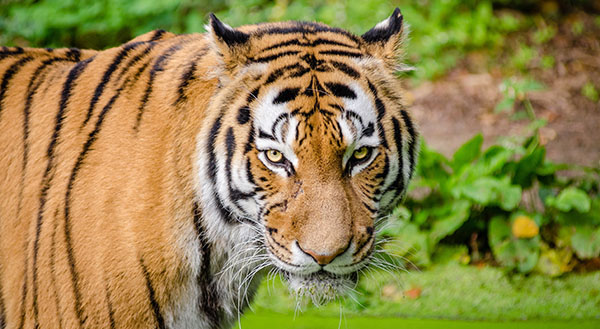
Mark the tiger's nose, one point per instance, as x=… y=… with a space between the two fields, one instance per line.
x=323 y=258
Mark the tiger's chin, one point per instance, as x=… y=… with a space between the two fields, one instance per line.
x=320 y=287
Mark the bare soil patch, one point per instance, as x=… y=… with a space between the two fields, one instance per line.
x=460 y=105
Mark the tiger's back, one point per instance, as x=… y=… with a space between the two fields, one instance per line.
x=55 y=107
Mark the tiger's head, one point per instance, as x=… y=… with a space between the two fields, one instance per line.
x=308 y=142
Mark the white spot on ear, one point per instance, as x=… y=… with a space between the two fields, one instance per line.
x=383 y=24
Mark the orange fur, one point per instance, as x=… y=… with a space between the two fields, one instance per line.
x=97 y=208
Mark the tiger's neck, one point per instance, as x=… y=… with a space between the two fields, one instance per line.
x=217 y=257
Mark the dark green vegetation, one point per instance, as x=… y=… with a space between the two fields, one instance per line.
x=442 y=31
x=500 y=232
x=507 y=199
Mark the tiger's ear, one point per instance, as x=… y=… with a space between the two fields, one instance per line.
x=231 y=44
x=385 y=39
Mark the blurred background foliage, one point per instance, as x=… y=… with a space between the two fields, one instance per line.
x=441 y=30
x=505 y=207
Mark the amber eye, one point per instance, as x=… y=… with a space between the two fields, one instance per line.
x=361 y=153
x=274 y=156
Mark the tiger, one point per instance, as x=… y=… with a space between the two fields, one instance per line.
x=155 y=184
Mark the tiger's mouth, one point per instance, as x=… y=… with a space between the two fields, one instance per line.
x=321 y=287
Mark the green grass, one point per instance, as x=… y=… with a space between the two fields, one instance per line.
x=273 y=320
x=455 y=292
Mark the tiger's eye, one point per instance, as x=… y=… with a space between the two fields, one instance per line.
x=361 y=153
x=274 y=156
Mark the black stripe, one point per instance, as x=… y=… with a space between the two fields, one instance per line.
x=398 y=184
x=106 y=78
x=8 y=75
x=275 y=56
x=250 y=142
x=276 y=74
x=286 y=95
x=134 y=60
x=297 y=42
x=157 y=35
x=157 y=67
x=32 y=88
x=281 y=117
x=234 y=193
x=386 y=168
x=25 y=289
x=160 y=321
x=253 y=95
x=412 y=143
x=369 y=130
x=2 y=311
x=189 y=76
x=212 y=169
x=49 y=175
x=369 y=208
x=380 y=107
x=53 y=269
x=111 y=312
x=209 y=297
x=73 y=54
x=8 y=52
x=352 y=114
x=341 y=53
x=249 y=172
x=23 y=295
x=305 y=27
x=243 y=115
x=340 y=90
x=264 y=134
x=301 y=71
x=346 y=69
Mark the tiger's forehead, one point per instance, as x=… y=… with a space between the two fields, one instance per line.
x=308 y=113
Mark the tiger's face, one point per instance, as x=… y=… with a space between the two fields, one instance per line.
x=321 y=149
x=320 y=160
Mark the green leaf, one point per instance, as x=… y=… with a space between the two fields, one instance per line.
x=432 y=166
x=509 y=196
x=527 y=253
x=468 y=152
x=490 y=190
x=458 y=214
x=586 y=242
x=498 y=231
x=575 y=218
x=494 y=158
x=571 y=198
x=526 y=167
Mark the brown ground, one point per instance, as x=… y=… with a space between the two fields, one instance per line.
x=454 y=108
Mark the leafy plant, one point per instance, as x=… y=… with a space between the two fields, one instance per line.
x=506 y=201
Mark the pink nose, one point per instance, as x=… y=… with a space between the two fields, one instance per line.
x=323 y=258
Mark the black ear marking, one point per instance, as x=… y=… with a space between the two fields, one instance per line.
x=383 y=31
x=226 y=33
